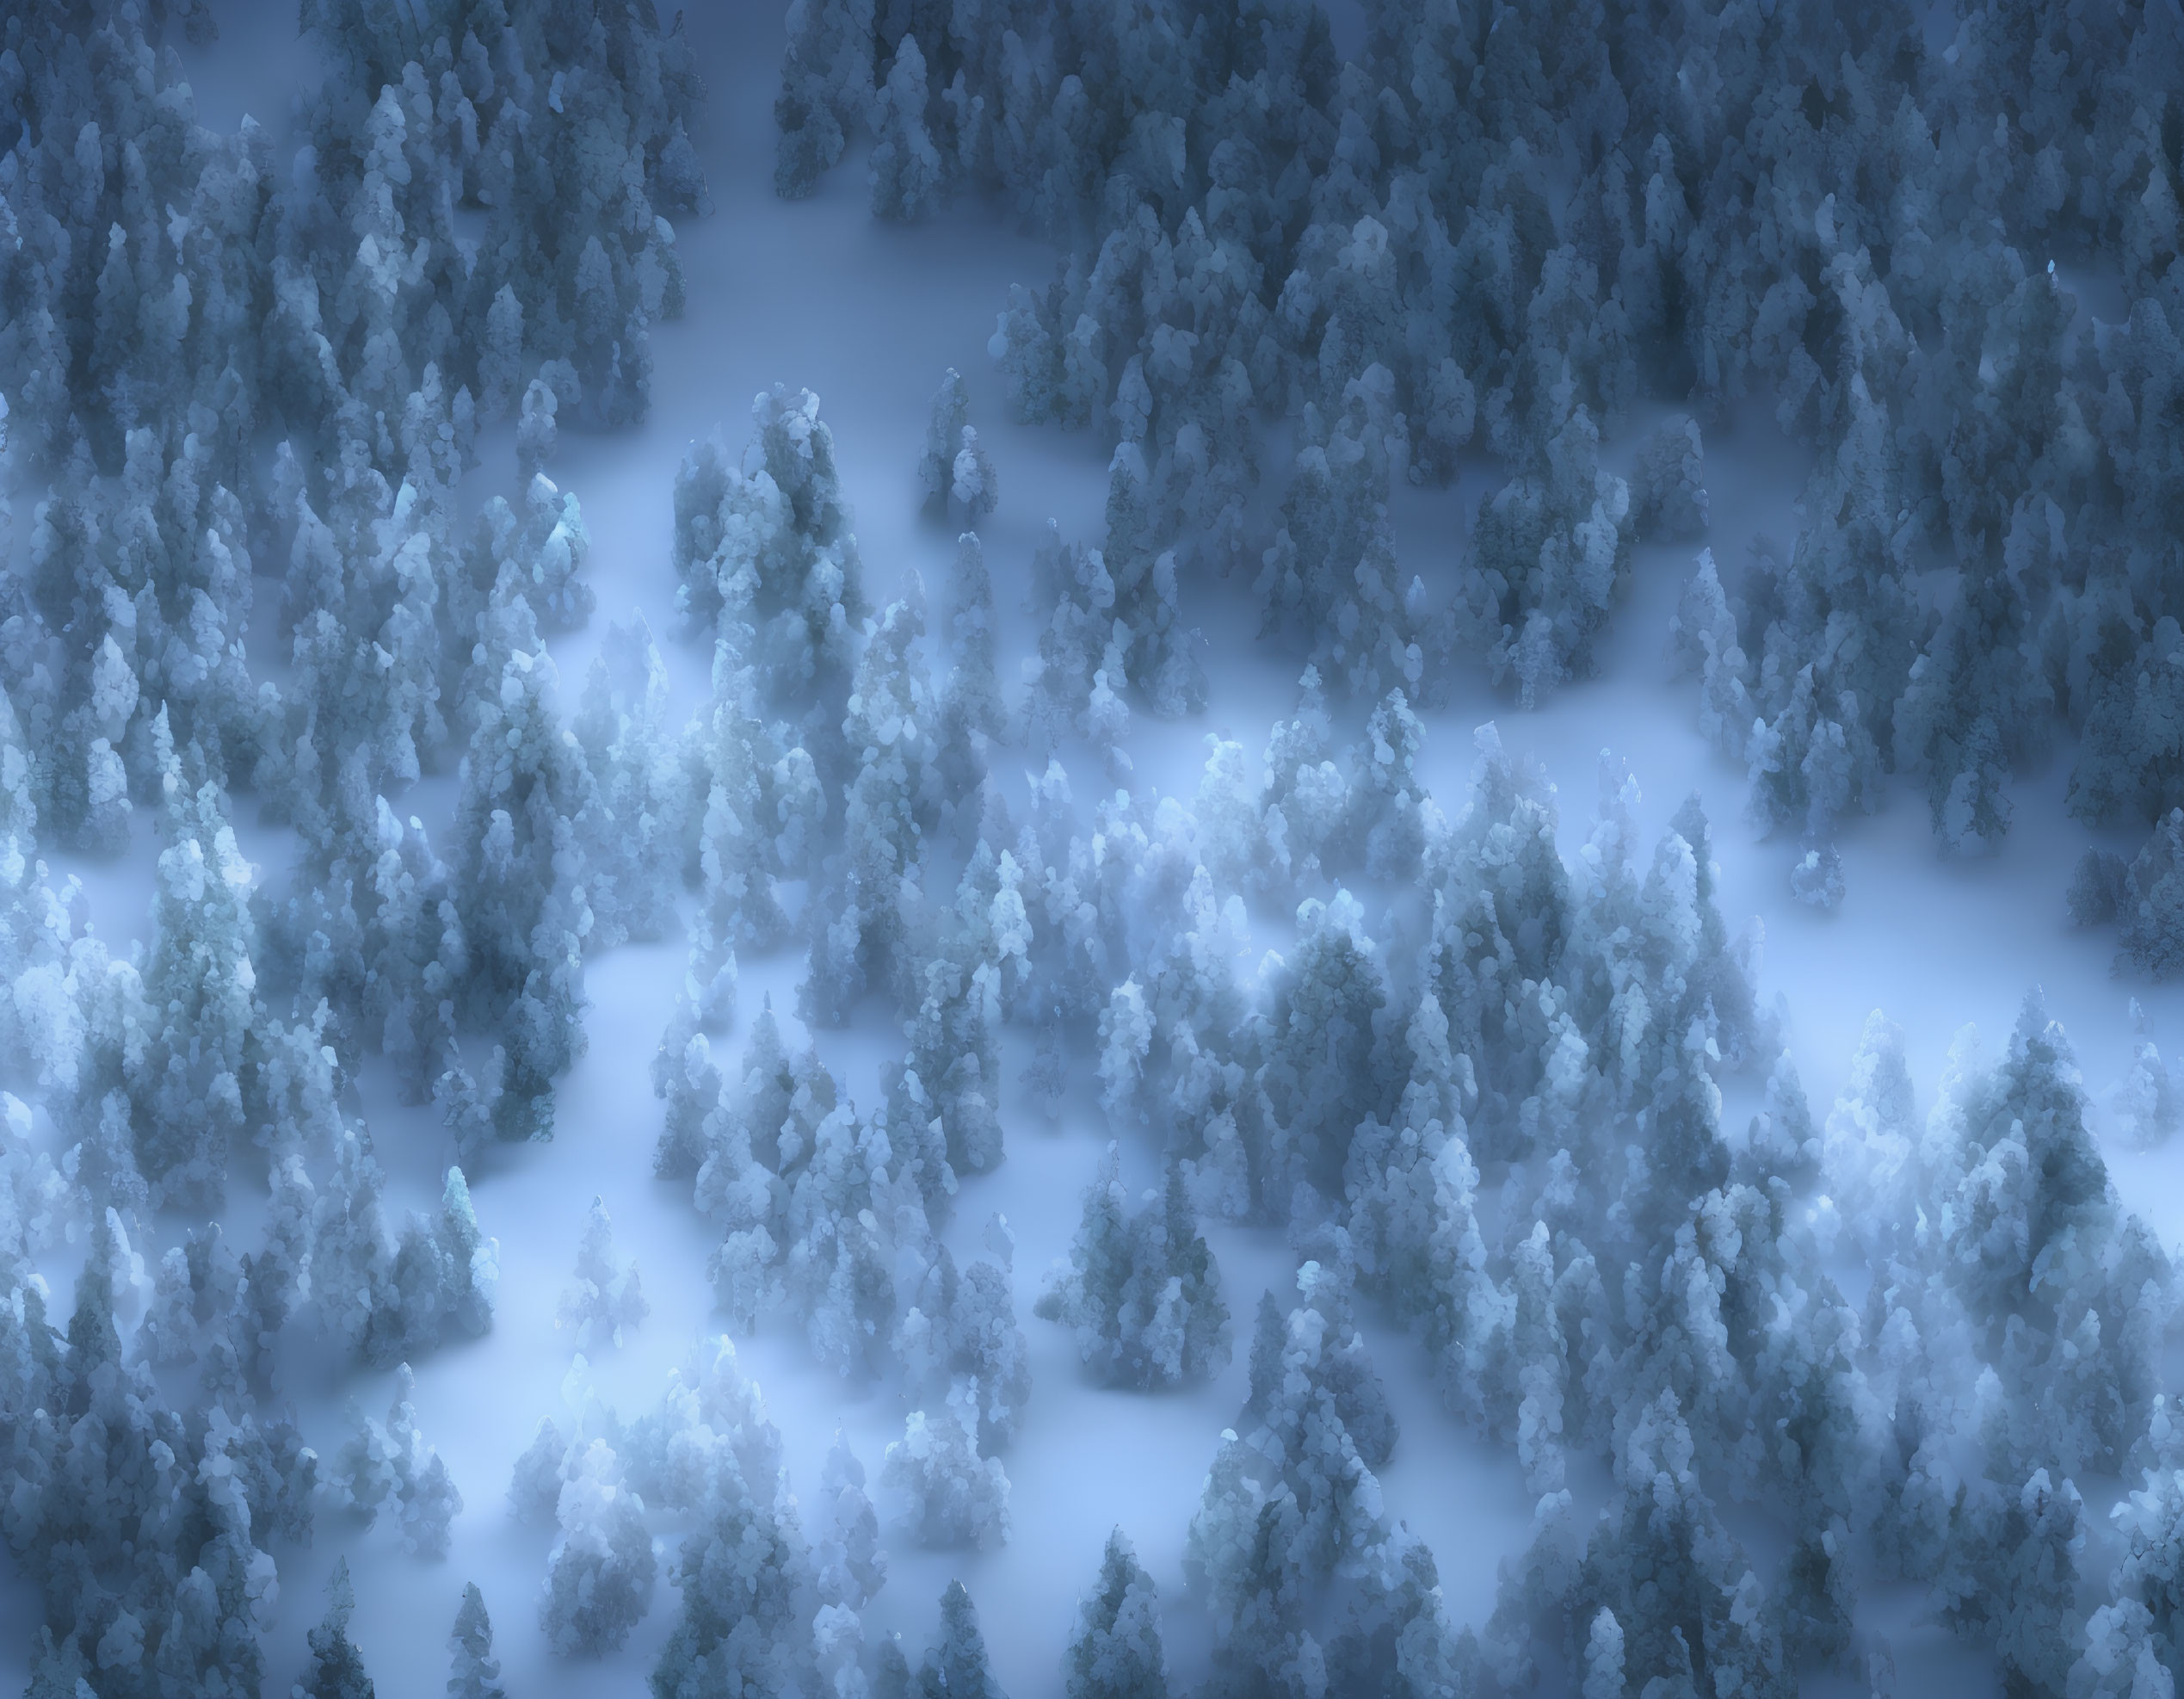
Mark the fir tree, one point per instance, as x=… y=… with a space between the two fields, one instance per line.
x=1115 y=1651
x=955 y=1668
x=335 y=1669
x=473 y=1672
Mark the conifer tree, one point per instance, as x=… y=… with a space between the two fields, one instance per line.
x=955 y=1667
x=906 y=168
x=605 y=1301
x=335 y=1669
x=473 y=1672
x=1115 y=1651
x=951 y=412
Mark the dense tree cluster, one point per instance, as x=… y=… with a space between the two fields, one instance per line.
x=228 y=358
x=148 y=1527
x=178 y=302
x=1510 y=238
x=1141 y=1293
x=1512 y=230
x=1505 y=1130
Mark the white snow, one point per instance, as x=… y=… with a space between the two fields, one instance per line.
x=817 y=293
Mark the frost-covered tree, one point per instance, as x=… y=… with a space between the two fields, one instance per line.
x=974 y=489
x=742 y=1571
x=955 y=1496
x=534 y=1488
x=1816 y=881
x=600 y=1575
x=907 y=173
x=1388 y=798
x=826 y=91
x=1291 y=1504
x=1668 y=491
x=2011 y=1575
x=386 y=1298
x=2119 y=1656
x=1816 y=738
x=605 y=1302
x=949 y=1081
x=863 y=927
x=1687 y=1608
x=973 y=717
x=764 y=542
x=950 y=413
x=741 y=785
x=1604 y=1657
x=852 y=1221
x=1782 y=1143
x=2060 y=1287
x=201 y=979
x=848 y=1562
x=472 y=1261
x=2149 y=908
x=1115 y=1651
x=35 y=1204
x=434 y=1501
x=1974 y=707
x=958 y=1334
x=1548 y=551
x=633 y=835
x=2097 y=888
x=955 y=1666
x=536 y=433
x=2146 y=1102
x=473 y=1672
x=335 y=1669
x=1328 y=1065
x=1870 y=1137
x=1141 y=1292
x=389 y=1466
x=518 y=874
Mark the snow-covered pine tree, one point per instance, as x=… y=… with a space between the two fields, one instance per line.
x=955 y=1667
x=605 y=1302
x=1115 y=1651
x=743 y=1572
x=518 y=874
x=473 y=1672
x=907 y=171
x=951 y=412
x=955 y=1496
x=335 y=1669
x=601 y=1573
x=1141 y=1293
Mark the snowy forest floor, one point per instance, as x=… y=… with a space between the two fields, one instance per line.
x=817 y=294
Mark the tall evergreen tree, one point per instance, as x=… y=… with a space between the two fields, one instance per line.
x=956 y=1667
x=335 y=1669
x=473 y=1672
x=1115 y=1653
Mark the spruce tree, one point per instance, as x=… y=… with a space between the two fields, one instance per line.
x=1115 y=1653
x=956 y=1668
x=473 y=1672
x=335 y=1669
